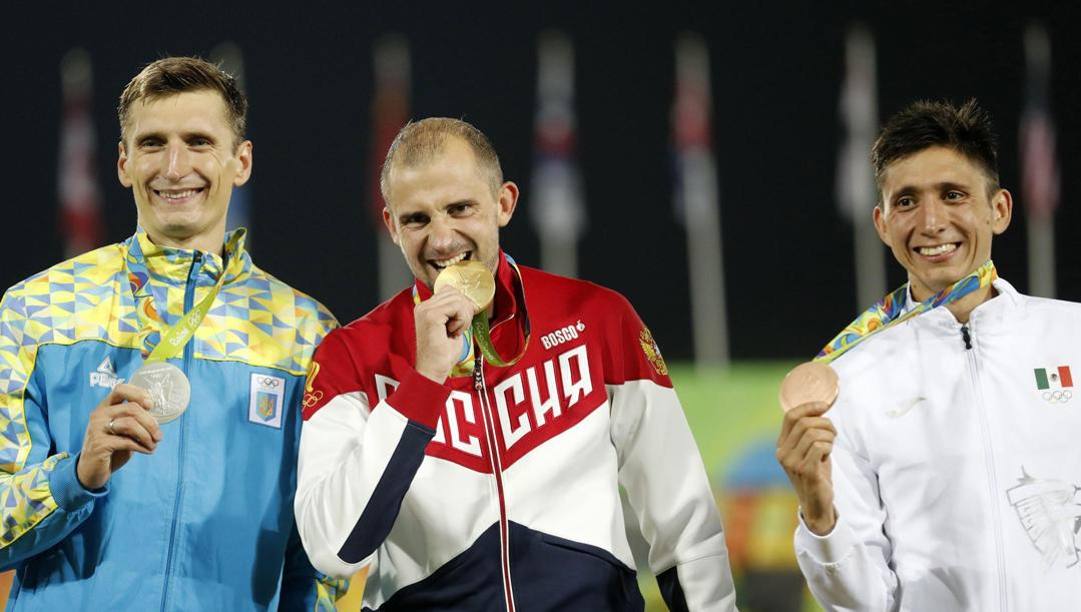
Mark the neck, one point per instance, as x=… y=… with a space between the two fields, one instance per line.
x=213 y=242
x=962 y=308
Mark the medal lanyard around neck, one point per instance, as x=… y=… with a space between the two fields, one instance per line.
x=174 y=338
x=887 y=312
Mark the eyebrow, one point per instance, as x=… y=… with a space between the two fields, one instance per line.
x=185 y=136
x=942 y=186
x=465 y=202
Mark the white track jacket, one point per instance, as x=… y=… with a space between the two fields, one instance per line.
x=957 y=465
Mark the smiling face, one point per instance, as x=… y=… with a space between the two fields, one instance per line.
x=179 y=159
x=442 y=211
x=938 y=215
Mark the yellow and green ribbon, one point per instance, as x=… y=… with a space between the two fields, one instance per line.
x=173 y=340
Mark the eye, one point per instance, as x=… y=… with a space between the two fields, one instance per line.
x=150 y=142
x=200 y=142
x=414 y=220
x=905 y=202
x=955 y=195
x=459 y=209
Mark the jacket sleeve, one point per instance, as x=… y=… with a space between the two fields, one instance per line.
x=662 y=472
x=43 y=500
x=848 y=568
x=357 y=462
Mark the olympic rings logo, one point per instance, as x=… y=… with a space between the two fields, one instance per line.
x=311 y=399
x=1057 y=396
x=268 y=381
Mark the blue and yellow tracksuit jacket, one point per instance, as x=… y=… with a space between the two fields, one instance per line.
x=206 y=521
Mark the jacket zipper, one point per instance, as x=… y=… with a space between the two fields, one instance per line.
x=989 y=464
x=189 y=300
x=497 y=471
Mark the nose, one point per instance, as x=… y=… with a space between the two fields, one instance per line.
x=932 y=216
x=441 y=234
x=177 y=162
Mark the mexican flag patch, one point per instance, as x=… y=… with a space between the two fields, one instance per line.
x=1053 y=378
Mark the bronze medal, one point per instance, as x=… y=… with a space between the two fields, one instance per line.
x=809 y=382
x=472 y=278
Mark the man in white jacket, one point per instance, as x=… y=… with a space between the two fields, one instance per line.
x=947 y=473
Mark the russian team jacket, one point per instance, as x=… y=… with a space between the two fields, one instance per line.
x=500 y=488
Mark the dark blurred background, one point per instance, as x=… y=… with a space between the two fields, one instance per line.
x=776 y=70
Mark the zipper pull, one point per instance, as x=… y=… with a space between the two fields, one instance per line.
x=967 y=337
x=478 y=363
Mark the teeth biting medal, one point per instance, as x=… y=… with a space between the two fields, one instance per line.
x=472 y=278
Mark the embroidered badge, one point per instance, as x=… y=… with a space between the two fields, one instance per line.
x=265 y=404
x=1055 y=384
x=311 y=395
x=652 y=351
x=1050 y=513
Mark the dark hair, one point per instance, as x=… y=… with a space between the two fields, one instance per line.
x=419 y=142
x=966 y=129
x=173 y=75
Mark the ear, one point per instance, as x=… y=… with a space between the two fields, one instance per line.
x=121 y=165
x=1001 y=211
x=388 y=221
x=244 y=158
x=878 y=215
x=508 y=200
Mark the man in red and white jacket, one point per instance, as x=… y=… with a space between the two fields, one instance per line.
x=460 y=485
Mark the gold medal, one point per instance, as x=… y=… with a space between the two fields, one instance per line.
x=473 y=279
x=809 y=382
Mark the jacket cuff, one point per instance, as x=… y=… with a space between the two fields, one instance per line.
x=420 y=399
x=825 y=549
x=69 y=493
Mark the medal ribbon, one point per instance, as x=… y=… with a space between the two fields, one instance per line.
x=483 y=336
x=887 y=312
x=173 y=340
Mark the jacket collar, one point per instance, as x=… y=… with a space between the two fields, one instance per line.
x=1004 y=304
x=170 y=266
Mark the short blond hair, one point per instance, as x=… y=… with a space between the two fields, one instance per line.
x=421 y=141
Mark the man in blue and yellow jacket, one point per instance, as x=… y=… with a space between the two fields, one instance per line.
x=102 y=506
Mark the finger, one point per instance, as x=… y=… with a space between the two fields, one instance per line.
x=142 y=416
x=129 y=427
x=812 y=437
x=445 y=290
x=803 y=410
x=807 y=424
x=124 y=443
x=130 y=393
x=810 y=409
x=461 y=319
x=819 y=453
x=455 y=312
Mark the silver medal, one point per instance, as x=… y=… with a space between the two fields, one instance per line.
x=168 y=387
